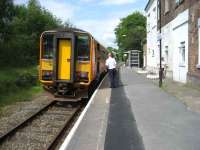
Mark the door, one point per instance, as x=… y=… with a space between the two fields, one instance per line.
x=64 y=59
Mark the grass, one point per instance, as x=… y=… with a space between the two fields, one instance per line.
x=13 y=90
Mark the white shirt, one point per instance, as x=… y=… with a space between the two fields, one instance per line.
x=111 y=63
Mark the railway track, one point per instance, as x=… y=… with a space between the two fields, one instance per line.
x=44 y=129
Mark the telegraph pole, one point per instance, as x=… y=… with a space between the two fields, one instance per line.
x=160 y=70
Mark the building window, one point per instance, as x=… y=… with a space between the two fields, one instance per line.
x=154 y=13
x=153 y=53
x=166 y=6
x=158 y=11
x=148 y=22
x=182 y=54
x=166 y=54
x=178 y=2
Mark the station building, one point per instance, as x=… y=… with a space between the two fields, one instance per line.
x=152 y=47
x=180 y=32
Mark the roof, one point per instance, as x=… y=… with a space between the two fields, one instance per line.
x=148 y=4
x=68 y=30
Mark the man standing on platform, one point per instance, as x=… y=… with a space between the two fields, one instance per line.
x=111 y=66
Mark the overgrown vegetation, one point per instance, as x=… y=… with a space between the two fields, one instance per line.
x=20 y=30
x=18 y=84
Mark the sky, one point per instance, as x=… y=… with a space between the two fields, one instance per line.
x=99 y=17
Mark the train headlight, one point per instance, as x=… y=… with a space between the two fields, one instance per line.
x=82 y=76
x=47 y=75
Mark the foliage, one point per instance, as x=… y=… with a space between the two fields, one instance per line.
x=115 y=52
x=131 y=32
x=6 y=13
x=18 y=84
x=21 y=47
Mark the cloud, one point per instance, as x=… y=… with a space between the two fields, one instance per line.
x=18 y=2
x=117 y=2
x=110 y=2
x=61 y=9
x=102 y=30
x=87 y=1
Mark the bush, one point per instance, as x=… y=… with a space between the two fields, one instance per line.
x=26 y=80
x=21 y=81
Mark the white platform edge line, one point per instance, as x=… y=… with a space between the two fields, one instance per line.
x=76 y=125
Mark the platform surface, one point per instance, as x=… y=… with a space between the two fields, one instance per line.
x=136 y=116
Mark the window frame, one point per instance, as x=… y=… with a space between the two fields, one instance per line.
x=89 y=46
x=182 y=54
x=167 y=6
x=178 y=2
x=167 y=54
x=44 y=48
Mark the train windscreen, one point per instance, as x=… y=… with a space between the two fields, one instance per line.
x=83 y=47
x=47 y=52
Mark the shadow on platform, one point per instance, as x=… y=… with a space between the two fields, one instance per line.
x=122 y=132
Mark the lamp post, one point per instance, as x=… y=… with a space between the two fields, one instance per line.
x=160 y=70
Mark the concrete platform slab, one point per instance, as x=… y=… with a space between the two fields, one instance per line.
x=136 y=116
x=91 y=132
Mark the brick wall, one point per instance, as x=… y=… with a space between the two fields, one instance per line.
x=174 y=10
x=193 y=39
x=194 y=14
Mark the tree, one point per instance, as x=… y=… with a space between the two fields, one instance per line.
x=131 y=32
x=25 y=28
x=117 y=54
x=6 y=13
x=68 y=24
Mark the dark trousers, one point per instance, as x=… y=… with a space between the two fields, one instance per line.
x=112 y=75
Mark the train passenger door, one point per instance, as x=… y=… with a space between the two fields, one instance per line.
x=64 y=59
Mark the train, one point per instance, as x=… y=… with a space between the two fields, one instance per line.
x=72 y=61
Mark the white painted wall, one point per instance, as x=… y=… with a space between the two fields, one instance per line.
x=180 y=34
x=173 y=34
x=167 y=48
x=152 y=43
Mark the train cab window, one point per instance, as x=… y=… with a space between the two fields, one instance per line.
x=47 y=52
x=83 y=48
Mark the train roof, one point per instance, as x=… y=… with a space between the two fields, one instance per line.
x=73 y=30
x=68 y=30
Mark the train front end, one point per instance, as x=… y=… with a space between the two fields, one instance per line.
x=65 y=62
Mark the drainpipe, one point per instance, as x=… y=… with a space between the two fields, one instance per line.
x=160 y=70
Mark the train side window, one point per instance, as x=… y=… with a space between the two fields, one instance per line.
x=47 y=51
x=83 y=47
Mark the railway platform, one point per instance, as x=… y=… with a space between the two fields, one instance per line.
x=135 y=116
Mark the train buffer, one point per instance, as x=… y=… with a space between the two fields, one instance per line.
x=136 y=115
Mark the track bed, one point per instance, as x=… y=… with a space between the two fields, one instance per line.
x=43 y=129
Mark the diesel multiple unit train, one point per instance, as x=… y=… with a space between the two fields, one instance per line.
x=71 y=62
